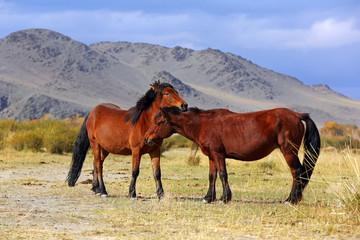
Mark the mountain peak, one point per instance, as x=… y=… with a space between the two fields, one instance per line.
x=325 y=89
x=35 y=35
x=39 y=66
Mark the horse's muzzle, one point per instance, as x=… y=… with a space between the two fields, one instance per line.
x=148 y=141
x=184 y=107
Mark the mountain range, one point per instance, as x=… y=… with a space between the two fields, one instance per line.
x=42 y=71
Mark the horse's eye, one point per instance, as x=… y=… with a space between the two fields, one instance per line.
x=166 y=94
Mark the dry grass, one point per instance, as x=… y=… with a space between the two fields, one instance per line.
x=36 y=203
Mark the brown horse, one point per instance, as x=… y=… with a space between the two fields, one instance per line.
x=108 y=129
x=222 y=134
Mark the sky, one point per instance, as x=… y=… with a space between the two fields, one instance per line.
x=317 y=42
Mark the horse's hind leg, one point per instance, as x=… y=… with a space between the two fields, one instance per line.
x=95 y=186
x=99 y=156
x=296 y=170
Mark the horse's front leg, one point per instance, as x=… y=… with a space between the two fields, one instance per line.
x=155 y=161
x=211 y=194
x=219 y=160
x=135 y=172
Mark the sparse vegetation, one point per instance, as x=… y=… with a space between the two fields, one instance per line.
x=340 y=136
x=193 y=160
x=49 y=209
x=55 y=136
x=349 y=192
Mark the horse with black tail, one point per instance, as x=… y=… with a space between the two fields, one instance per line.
x=80 y=150
x=222 y=134
x=109 y=129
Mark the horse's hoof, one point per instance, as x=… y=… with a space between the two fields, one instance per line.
x=204 y=201
x=103 y=195
x=133 y=198
x=221 y=202
x=286 y=203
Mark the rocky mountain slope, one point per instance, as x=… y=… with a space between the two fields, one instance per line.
x=42 y=71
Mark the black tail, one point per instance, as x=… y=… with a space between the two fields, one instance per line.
x=312 y=148
x=80 y=149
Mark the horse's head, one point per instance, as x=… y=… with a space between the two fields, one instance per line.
x=169 y=97
x=160 y=129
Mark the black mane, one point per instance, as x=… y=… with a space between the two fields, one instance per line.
x=177 y=111
x=145 y=102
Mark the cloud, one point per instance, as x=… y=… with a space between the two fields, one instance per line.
x=194 y=29
x=273 y=33
x=328 y=33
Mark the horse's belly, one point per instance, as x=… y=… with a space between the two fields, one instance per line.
x=119 y=149
x=116 y=147
x=248 y=153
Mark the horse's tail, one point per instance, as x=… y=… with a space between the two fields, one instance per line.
x=312 y=148
x=80 y=149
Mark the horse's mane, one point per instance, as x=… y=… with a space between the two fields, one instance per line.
x=177 y=111
x=145 y=102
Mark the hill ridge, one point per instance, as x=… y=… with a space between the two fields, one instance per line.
x=38 y=64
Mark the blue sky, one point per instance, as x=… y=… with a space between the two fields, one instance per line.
x=314 y=41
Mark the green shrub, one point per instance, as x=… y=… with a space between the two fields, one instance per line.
x=193 y=161
x=340 y=142
x=55 y=145
x=2 y=139
x=176 y=141
x=17 y=141
x=181 y=141
x=34 y=140
x=167 y=144
x=70 y=137
x=57 y=136
x=9 y=125
x=267 y=166
x=60 y=139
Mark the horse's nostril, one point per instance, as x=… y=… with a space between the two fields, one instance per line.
x=184 y=106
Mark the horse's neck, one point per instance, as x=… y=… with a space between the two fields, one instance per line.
x=186 y=126
x=147 y=117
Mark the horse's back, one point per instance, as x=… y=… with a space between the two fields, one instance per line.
x=250 y=136
x=275 y=121
x=106 y=107
x=105 y=112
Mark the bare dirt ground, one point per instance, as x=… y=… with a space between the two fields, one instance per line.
x=35 y=198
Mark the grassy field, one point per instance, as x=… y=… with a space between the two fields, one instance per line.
x=36 y=203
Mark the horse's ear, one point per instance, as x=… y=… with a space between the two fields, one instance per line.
x=154 y=86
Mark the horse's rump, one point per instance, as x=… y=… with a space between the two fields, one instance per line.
x=106 y=123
